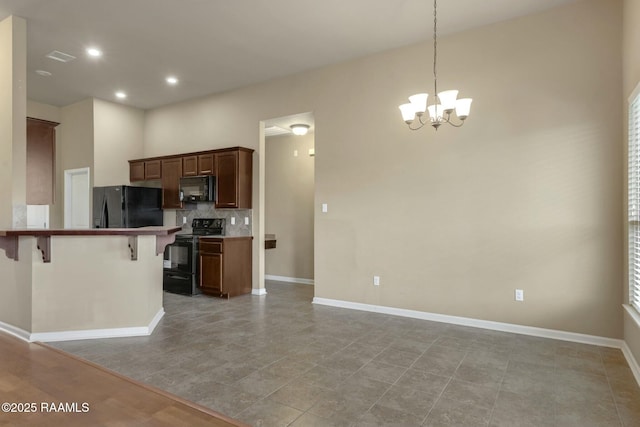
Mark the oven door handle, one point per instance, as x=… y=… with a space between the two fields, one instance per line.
x=171 y=276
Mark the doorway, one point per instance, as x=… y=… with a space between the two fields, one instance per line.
x=77 y=195
x=289 y=191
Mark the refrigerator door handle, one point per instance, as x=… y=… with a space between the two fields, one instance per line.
x=103 y=213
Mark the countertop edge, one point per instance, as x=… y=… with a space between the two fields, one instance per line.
x=224 y=237
x=143 y=231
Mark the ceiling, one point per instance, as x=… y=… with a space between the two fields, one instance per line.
x=217 y=45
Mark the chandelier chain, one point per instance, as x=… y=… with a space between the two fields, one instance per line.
x=435 y=48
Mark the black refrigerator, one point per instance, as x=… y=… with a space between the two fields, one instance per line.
x=123 y=206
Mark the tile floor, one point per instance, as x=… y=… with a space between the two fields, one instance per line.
x=281 y=361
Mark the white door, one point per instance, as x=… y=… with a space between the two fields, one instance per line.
x=77 y=198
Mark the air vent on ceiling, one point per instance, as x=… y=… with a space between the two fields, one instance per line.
x=60 y=56
x=275 y=130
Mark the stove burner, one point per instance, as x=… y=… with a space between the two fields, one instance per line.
x=208 y=226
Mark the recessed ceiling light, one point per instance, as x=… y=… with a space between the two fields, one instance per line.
x=92 y=51
x=120 y=94
x=172 y=80
x=43 y=73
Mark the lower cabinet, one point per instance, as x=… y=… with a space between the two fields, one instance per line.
x=225 y=266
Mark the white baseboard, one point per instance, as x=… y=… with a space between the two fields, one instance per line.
x=156 y=319
x=259 y=291
x=85 y=334
x=16 y=332
x=476 y=323
x=289 y=279
x=633 y=363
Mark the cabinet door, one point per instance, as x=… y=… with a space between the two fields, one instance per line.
x=211 y=272
x=227 y=179
x=190 y=166
x=136 y=171
x=171 y=173
x=41 y=143
x=153 y=169
x=206 y=164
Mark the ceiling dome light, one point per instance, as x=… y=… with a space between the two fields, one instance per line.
x=172 y=80
x=92 y=51
x=299 y=129
x=121 y=95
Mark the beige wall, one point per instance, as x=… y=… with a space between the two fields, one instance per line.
x=289 y=207
x=15 y=290
x=631 y=78
x=118 y=137
x=74 y=141
x=13 y=109
x=106 y=290
x=527 y=195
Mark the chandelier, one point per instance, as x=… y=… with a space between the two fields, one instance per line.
x=445 y=102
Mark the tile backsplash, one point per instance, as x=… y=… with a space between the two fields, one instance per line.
x=207 y=210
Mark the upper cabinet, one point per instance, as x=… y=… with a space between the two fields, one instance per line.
x=141 y=170
x=136 y=171
x=171 y=174
x=206 y=163
x=232 y=168
x=233 y=178
x=41 y=148
x=153 y=169
x=190 y=166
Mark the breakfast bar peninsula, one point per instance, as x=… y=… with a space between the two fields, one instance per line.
x=82 y=283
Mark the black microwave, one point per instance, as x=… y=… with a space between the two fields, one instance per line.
x=197 y=189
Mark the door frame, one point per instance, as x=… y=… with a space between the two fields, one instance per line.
x=68 y=198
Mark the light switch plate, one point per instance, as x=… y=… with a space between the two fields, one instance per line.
x=233 y=220
x=246 y=220
x=325 y=208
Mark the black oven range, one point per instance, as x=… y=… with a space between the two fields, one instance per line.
x=181 y=273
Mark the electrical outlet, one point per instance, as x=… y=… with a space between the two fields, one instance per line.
x=233 y=220
x=376 y=280
x=246 y=220
x=184 y=219
x=519 y=295
x=325 y=208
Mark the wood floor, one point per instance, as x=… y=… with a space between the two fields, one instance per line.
x=38 y=374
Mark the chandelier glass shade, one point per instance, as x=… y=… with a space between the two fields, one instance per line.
x=445 y=103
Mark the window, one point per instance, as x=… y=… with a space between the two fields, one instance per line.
x=633 y=175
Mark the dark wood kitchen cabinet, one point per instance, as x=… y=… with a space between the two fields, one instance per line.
x=141 y=170
x=171 y=173
x=197 y=165
x=206 y=164
x=225 y=266
x=234 y=178
x=41 y=149
x=232 y=167
x=152 y=169
x=190 y=166
x=136 y=171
